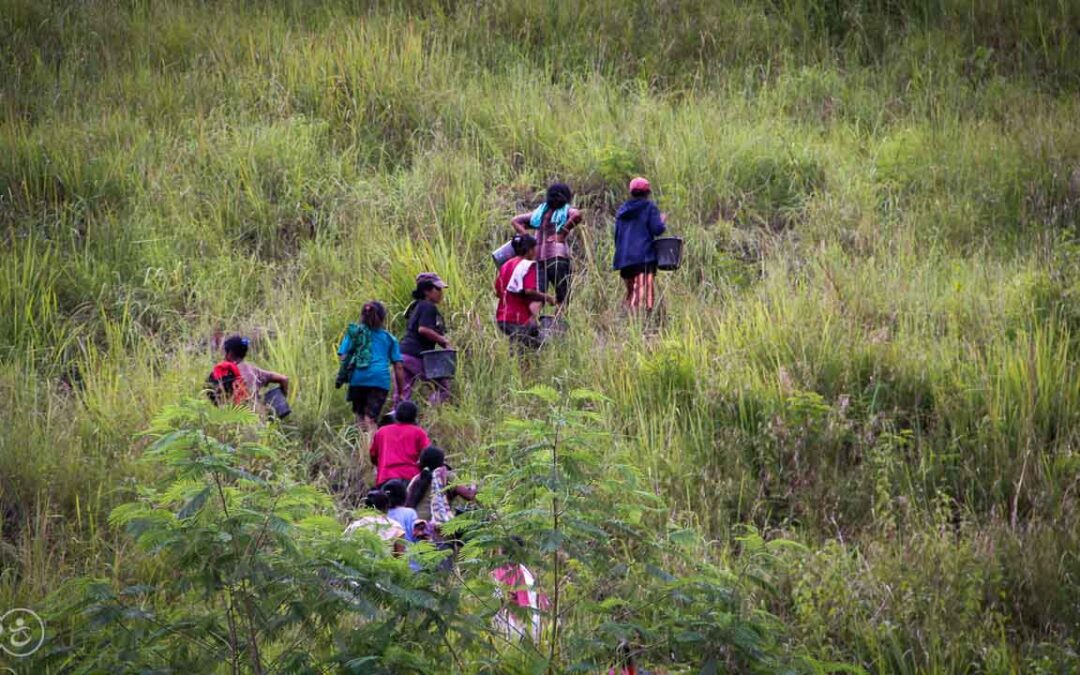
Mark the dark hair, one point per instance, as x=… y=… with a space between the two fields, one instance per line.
x=405 y=412
x=378 y=500
x=386 y=419
x=395 y=490
x=430 y=459
x=422 y=287
x=236 y=345
x=640 y=194
x=373 y=315
x=559 y=195
x=523 y=243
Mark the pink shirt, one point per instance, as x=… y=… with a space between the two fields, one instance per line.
x=395 y=451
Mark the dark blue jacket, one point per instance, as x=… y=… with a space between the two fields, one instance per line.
x=637 y=223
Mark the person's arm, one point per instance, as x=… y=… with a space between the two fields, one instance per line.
x=430 y=334
x=373 y=451
x=530 y=289
x=536 y=296
x=278 y=379
x=398 y=368
x=399 y=376
x=466 y=492
x=656 y=222
x=425 y=326
x=521 y=223
x=572 y=220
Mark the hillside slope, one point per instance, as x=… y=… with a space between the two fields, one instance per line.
x=871 y=348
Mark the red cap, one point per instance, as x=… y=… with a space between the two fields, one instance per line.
x=639 y=184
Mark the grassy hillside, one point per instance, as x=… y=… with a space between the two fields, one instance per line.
x=871 y=349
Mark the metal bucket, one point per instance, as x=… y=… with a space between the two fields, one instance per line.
x=503 y=253
x=277 y=403
x=439 y=363
x=552 y=327
x=668 y=253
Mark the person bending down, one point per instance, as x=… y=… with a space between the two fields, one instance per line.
x=519 y=296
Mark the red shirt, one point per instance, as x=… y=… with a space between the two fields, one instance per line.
x=513 y=307
x=395 y=451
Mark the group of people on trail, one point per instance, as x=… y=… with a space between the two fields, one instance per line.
x=373 y=362
x=414 y=488
x=542 y=259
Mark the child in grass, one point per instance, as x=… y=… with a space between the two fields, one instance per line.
x=368 y=355
x=552 y=221
x=638 y=222
x=396 y=491
x=236 y=381
x=520 y=299
x=379 y=522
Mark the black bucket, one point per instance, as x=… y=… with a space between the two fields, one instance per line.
x=552 y=327
x=277 y=403
x=668 y=253
x=502 y=254
x=439 y=363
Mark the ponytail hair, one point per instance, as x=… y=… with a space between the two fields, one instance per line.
x=373 y=315
x=523 y=243
x=377 y=499
x=430 y=460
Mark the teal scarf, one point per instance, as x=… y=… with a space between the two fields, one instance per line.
x=558 y=218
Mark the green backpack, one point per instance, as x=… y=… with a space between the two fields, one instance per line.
x=359 y=354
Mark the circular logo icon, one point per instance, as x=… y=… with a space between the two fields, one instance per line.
x=22 y=632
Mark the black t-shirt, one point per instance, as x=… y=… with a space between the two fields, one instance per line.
x=425 y=314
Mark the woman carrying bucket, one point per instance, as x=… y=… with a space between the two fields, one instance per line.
x=520 y=299
x=638 y=223
x=425 y=329
x=552 y=221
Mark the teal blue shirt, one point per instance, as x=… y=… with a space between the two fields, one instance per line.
x=384 y=352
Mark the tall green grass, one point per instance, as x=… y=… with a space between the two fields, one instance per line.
x=871 y=346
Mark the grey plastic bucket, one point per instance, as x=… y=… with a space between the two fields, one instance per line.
x=439 y=363
x=552 y=327
x=276 y=401
x=668 y=253
x=503 y=253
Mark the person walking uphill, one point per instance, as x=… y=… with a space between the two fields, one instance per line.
x=425 y=329
x=395 y=448
x=368 y=354
x=236 y=381
x=520 y=299
x=553 y=220
x=638 y=222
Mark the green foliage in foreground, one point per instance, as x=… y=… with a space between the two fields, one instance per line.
x=252 y=574
x=871 y=350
